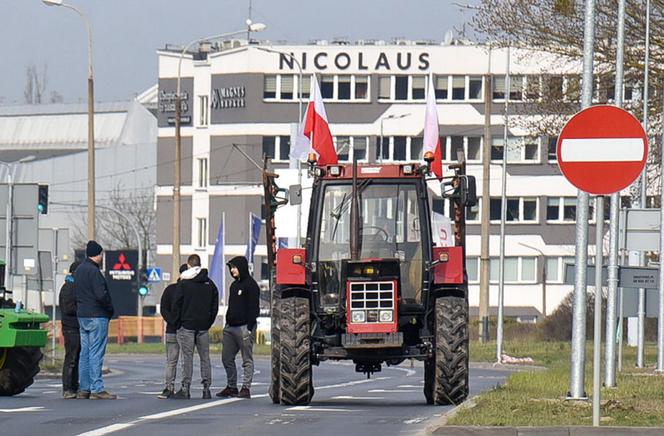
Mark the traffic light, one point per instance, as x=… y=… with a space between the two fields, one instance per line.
x=143 y=289
x=42 y=200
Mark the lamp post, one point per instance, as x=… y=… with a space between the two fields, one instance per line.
x=299 y=124
x=251 y=27
x=91 y=121
x=389 y=117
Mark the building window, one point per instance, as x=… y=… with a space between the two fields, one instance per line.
x=473 y=213
x=269 y=147
x=474 y=152
x=270 y=86
x=532 y=88
x=572 y=87
x=441 y=84
x=306 y=86
x=348 y=146
x=555 y=268
x=519 y=209
x=361 y=87
x=203 y=105
x=287 y=86
x=517 y=270
x=516 y=87
x=401 y=87
x=472 y=268
x=344 y=88
x=342 y=146
x=519 y=149
x=498 y=87
x=552 y=148
x=327 y=87
x=399 y=144
x=475 y=87
x=276 y=147
x=419 y=83
x=416 y=147
x=360 y=144
x=561 y=209
x=554 y=88
x=202 y=232
x=202 y=172
x=385 y=87
x=458 y=87
x=284 y=148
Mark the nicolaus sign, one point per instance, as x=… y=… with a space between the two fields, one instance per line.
x=374 y=61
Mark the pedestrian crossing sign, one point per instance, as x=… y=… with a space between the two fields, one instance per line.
x=154 y=275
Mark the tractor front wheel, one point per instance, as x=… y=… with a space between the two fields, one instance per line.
x=295 y=383
x=449 y=366
x=18 y=368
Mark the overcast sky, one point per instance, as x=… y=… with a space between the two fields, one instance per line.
x=127 y=33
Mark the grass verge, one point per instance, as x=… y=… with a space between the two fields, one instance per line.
x=537 y=398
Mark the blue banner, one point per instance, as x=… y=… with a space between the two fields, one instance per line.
x=255 y=223
x=217 y=265
x=282 y=243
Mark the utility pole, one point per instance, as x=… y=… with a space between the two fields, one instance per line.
x=486 y=200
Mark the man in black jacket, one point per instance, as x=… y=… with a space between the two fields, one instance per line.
x=172 y=347
x=195 y=307
x=240 y=329
x=71 y=334
x=94 y=309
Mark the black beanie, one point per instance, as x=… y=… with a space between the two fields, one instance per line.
x=93 y=249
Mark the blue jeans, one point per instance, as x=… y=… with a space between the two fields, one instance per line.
x=94 y=335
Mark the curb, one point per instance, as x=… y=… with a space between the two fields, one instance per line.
x=547 y=431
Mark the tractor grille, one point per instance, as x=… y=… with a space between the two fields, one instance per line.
x=372 y=297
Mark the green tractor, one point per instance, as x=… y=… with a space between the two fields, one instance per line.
x=21 y=339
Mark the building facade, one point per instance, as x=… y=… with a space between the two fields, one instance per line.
x=247 y=97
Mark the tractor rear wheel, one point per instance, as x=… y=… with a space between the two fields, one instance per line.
x=275 y=352
x=450 y=384
x=18 y=367
x=295 y=381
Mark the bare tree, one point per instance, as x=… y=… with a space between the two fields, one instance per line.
x=556 y=27
x=35 y=84
x=113 y=230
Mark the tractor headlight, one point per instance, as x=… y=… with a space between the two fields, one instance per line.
x=358 y=316
x=385 y=316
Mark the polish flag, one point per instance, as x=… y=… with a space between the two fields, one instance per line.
x=317 y=129
x=431 y=132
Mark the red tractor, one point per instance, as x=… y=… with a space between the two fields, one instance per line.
x=370 y=285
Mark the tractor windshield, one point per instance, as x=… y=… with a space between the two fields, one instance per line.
x=389 y=228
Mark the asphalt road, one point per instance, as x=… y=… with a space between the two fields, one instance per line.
x=345 y=403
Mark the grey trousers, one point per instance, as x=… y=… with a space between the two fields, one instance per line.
x=187 y=339
x=172 y=355
x=238 y=339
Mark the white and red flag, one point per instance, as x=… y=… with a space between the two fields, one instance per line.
x=431 y=132
x=317 y=129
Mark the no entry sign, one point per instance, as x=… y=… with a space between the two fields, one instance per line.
x=602 y=149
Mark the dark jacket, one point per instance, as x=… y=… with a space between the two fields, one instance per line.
x=92 y=297
x=243 y=297
x=167 y=307
x=68 y=304
x=196 y=301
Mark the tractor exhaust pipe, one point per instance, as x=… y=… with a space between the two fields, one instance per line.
x=354 y=217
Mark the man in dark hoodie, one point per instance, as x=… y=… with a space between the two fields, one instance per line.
x=195 y=305
x=240 y=329
x=172 y=347
x=94 y=309
x=71 y=334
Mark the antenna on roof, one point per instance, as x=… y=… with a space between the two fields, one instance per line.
x=249 y=21
x=449 y=36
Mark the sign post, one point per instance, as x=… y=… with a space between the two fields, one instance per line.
x=601 y=150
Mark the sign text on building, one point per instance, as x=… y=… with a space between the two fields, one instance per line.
x=382 y=61
x=229 y=97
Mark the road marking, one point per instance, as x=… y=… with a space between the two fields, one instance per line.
x=176 y=412
x=48 y=392
x=24 y=409
x=408 y=372
x=408 y=386
x=414 y=420
x=350 y=397
x=391 y=390
x=321 y=409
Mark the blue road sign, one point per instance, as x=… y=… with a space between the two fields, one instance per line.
x=154 y=275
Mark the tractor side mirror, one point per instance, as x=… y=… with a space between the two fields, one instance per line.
x=295 y=195
x=468 y=194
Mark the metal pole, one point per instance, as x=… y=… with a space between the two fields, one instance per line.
x=8 y=223
x=660 y=319
x=503 y=216
x=578 y=358
x=644 y=203
x=485 y=254
x=597 y=329
x=55 y=275
x=612 y=283
x=622 y=294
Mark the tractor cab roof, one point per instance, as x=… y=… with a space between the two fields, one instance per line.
x=372 y=171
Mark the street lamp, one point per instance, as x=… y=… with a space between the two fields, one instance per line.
x=251 y=27
x=91 y=121
x=389 y=117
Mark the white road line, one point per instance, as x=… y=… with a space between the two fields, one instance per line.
x=24 y=409
x=408 y=372
x=415 y=420
x=408 y=386
x=321 y=409
x=350 y=397
x=176 y=412
x=378 y=391
x=602 y=150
